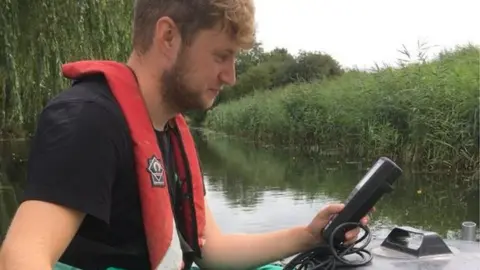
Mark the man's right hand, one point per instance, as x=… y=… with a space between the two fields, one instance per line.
x=38 y=235
x=322 y=218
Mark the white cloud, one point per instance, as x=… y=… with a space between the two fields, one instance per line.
x=364 y=32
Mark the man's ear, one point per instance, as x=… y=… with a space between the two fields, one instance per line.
x=167 y=37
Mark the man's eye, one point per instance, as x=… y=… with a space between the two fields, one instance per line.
x=221 y=57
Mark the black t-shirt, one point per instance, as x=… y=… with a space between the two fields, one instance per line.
x=82 y=158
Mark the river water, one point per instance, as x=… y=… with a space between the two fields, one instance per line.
x=255 y=189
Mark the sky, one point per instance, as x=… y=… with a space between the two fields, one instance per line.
x=364 y=32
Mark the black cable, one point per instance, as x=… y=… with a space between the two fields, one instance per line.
x=330 y=256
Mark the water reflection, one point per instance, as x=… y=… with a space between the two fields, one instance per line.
x=254 y=190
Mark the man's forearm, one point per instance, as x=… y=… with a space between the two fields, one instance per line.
x=243 y=251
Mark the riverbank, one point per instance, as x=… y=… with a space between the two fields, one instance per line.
x=425 y=114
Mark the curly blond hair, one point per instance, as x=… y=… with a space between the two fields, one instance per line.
x=235 y=16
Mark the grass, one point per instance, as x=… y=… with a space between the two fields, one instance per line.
x=424 y=114
x=38 y=37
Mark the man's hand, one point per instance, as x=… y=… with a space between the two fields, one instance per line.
x=245 y=251
x=42 y=231
x=322 y=218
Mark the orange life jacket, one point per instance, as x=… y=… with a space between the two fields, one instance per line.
x=163 y=240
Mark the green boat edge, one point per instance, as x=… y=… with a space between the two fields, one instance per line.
x=271 y=266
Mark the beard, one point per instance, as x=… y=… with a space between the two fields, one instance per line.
x=178 y=93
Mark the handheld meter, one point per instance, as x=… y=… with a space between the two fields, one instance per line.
x=376 y=182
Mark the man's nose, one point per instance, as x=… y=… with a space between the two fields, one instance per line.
x=227 y=76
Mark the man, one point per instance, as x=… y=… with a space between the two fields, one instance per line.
x=83 y=205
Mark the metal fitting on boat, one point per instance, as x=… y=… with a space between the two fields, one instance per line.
x=469 y=231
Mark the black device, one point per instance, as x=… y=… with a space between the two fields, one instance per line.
x=376 y=182
x=332 y=254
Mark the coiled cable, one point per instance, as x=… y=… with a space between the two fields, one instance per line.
x=332 y=255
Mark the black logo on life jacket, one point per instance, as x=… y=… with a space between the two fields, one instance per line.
x=156 y=170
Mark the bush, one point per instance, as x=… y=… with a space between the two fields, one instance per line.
x=423 y=113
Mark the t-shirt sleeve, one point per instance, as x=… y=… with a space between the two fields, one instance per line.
x=72 y=158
